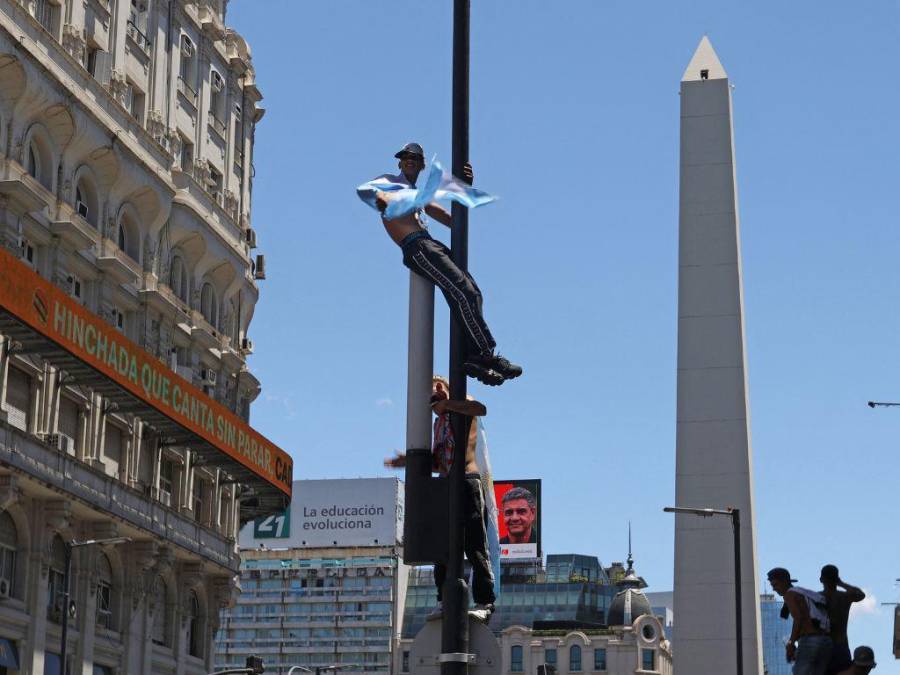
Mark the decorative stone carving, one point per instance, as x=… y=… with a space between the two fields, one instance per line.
x=58 y=513
x=157 y=127
x=73 y=41
x=9 y=491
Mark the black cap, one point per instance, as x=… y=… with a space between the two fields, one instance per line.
x=829 y=573
x=780 y=573
x=864 y=656
x=411 y=149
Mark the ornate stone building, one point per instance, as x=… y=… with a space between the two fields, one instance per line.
x=126 y=137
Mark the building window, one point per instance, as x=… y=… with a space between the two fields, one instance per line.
x=550 y=656
x=104 y=592
x=55 y=580
x=404 y=667
x=600 y=658
x=515 y=659
x=187 y=155
x=33 y=163
x=209 y=306
x=178 y=278
x=195 y=628
x=9 y=545
x=129 y=237
x=648 y=659
x=159 y=631
x=217 y=102
x=45 y=13
x=86 y=202
x=134 y=102
x=574 y=659
x=166 y=480
x=215 y=184
x=198 y=499
x=186 y=71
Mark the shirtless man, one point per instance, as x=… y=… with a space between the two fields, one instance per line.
x=809 y=646
x=476 y=544
x=429 y=258
x=839 y=602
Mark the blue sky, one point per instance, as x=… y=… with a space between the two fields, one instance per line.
x=574 y=124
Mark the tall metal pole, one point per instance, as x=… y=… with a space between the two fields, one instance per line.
x=63 y=641
x=455 y=626
x=738 y=613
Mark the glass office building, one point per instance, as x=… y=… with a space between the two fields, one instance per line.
x=775 y=634
x=570 y=588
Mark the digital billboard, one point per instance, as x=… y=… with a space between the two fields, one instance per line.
x=519 y=519
x=339 y=512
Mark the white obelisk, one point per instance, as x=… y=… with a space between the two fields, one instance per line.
x=713 y=463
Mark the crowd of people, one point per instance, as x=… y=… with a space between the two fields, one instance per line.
x=818 y=643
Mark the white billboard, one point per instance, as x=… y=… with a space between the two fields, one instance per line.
x=333 y=512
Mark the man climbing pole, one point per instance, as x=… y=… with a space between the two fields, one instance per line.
x=431 y=259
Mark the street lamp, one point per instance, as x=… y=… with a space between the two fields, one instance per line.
x=735 y=515
x=69 y=545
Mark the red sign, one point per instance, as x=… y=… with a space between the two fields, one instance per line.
x=45 y=308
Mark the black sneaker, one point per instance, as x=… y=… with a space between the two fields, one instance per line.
x=501 y=365
x=476 y=368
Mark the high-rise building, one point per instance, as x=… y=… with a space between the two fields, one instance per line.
x=126 y=292
x=713 y=454
x=775 y=634
x=322 y=583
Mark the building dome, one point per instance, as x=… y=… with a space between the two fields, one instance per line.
x=630 y=602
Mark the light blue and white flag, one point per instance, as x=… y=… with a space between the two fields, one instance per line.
x=439 y=185
x=483 y=460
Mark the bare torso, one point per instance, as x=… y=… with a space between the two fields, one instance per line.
x=401 y=227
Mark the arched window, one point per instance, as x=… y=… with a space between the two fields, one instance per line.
x=86 y=202
x=129 y=237
x=515 y=659
x=33 y=163
x=159 y=633
x=104 y=592
x=574 y=659
x=195 y=626
x=209 y=305
x=9 y=546
x=178 y=278
x=55 y=579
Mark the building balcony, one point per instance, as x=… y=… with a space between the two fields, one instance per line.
x=117 y=264
x=24 y=195
x=216 y=124
x=187 y=91
x=135 y=35
x=203 y=332
x=210 y=21
x=231 y=359
x=162 y=299
x=74 y=230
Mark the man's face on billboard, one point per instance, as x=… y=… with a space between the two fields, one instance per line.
x=519 y=518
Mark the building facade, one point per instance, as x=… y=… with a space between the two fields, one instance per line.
x=126 y=130
x=323 y=583
x=775 y=634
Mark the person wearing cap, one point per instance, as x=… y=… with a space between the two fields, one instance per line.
x=809 y=645
x=839 y=602
x=431 y=259
x=863 y=662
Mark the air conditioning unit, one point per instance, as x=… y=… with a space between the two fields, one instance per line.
x=208 y=376
x=260 y=271
x=165 y=497
x=4 y=589
x=250 y=237
x=186 y=372
x=61 y=442
x=246 y=345
x=82 y=209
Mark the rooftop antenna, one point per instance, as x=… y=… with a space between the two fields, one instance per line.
x=630 y=557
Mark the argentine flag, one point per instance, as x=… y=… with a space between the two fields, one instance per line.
x=439 y=185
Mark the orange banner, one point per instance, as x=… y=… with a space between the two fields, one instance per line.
x=48 y=310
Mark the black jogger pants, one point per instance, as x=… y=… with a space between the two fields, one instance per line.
x=429 y=258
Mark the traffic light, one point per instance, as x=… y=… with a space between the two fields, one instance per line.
x=255 y=664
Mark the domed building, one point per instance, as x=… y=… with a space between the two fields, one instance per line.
x=629 y=603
